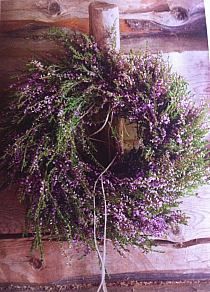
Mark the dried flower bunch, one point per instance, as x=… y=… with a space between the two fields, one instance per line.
x=56 y=155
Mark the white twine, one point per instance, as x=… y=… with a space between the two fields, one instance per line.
x=101 y=258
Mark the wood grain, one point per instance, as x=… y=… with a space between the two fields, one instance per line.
x=198 y=210
x=16 y=51
x=49 y=10
x=145 y=17
x=19 y=46
x=164 y=23
x=39 y=10
x=164 y=44
x=19 y=265
x=78 y=24
x=195 y=68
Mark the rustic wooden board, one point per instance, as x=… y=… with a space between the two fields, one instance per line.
x=195 y=68
x=143 y=17
x=49 y=10
x=165 y=44
x=18 y=47
x=197 y=207
x=16 y=51
x=18 y=265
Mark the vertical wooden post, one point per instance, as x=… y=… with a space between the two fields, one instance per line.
x=104 y=24
x=104 y=27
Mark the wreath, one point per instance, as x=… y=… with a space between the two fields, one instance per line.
x=64 y=145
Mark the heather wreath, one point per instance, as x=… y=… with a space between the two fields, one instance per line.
x=64 y=151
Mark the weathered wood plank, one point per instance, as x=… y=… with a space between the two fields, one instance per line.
x=16 y=52
x=78 y=24
x=18 y=47
x=133 y=27
x=165 y=44
x=18 y=265
x=195 y=68
x=165 y=17
x=164 y=23
x=197 y=208
x=49 y=10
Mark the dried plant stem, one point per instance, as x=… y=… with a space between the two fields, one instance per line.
x=103 y=126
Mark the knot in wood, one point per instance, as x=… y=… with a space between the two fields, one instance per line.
x=36 y=263
x=180 y=13
x=54 y=8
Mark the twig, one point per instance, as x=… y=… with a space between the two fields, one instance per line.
x=102 y=127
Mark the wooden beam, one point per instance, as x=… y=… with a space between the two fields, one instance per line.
x=27 y=41
x=12 y=221
x=164 y=43
x=164 y=23
x=62 y=262
x=56 y=9
x=52 y=10
x=165 y=16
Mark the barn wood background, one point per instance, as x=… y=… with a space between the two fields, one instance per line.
x=175 y=27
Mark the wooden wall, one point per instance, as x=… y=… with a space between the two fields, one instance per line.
x=137 y=17
x=178 y=29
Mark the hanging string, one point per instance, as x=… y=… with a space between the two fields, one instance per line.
x=101 y=258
